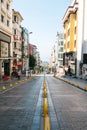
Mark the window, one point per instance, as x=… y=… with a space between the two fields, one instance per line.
x=75 y=30
x=84 y=58
x=15 y=19
x=7 y=6
x=75 y=16
x=15 y=45
x=61 y=42
x=68 y=32
x=61 y=49
x=2 y=1
x=64 y=46
x=64 y=36
x=15 y=31
x=2 y=18
x=8 y=23
x=68 y=44
x=75 y=44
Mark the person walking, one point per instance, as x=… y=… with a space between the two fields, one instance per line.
x=19 y=74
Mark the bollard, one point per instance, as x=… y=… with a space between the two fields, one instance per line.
x=45 y=93
x=44 y=86
x=16 y=83
x=78 y=85
x=45 y=108
x=10 y=85
x=85 y=88
x=3 y=88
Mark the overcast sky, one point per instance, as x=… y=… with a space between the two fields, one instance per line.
x=44 y=19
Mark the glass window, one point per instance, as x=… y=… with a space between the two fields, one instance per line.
x=7 y=6
x=61 y=42
x=15 y=45
x=15 y=31
x=8 y=23
x=2 y=18
x=15 y=19
x=2 y=1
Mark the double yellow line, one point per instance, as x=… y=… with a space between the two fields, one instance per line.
x=45 y=107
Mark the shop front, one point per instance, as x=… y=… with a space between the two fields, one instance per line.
x=5 y=41
x=69 y=60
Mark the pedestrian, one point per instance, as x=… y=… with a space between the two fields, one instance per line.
x=69 y=70
x=19 y=74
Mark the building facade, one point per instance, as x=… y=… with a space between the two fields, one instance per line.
x=60 y=49
x=25 y=49
x=16 y=40
x=70 y=23
x=5 y=37
x=82 y=39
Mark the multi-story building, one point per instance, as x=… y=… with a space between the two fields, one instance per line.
x=33 y=51
x=17 y=40
x=53 y=59
x=82 y=39
x=56 y=61
x=70 y=23
x=60 y=49
x=25 y=49
x=5 y=37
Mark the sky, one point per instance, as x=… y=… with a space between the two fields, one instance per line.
x=44 y=19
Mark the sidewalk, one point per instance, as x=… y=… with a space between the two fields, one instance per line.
x=77 y=82
x=10 y=83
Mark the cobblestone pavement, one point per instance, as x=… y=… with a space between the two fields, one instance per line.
x=18 y=106
x=68 y=109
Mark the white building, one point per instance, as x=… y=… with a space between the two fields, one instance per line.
x=56 y=61
x=82 y=37
x=5 y=37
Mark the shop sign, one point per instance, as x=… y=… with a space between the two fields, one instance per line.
x=4 y=49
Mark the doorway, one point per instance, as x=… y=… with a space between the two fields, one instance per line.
x=7 y=68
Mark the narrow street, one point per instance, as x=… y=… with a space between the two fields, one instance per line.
x=21 y=107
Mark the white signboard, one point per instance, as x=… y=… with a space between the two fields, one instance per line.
x=4 y=49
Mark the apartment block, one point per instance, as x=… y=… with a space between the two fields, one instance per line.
x=82 y=39
x=5 y=37
x=16 y=40
x=70 y=23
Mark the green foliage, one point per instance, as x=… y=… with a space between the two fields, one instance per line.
x=32 y=61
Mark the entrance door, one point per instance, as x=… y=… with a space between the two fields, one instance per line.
x=6 y=69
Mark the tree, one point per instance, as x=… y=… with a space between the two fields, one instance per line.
x=32 y=61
